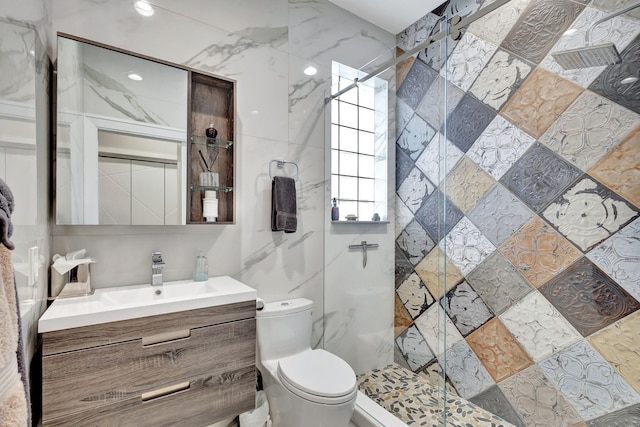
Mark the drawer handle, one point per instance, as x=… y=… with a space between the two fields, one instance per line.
x=165 y=391
x=165 y=337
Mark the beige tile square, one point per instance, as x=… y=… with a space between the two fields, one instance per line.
x=539 y=101
x=466 y=184
x=402 y=319
x=620 y=169
x=619 y=343
x=432 y=272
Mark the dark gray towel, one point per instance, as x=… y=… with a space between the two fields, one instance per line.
x=6 y=209
x=283 y=204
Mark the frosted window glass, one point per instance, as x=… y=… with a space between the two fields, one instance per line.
x=367 y=145
x=367 y=165
x=366 y=119
x=348 y=163
x=334 y=111
x=348 y=139
x=366 y=211
x=335 y=161
x=350 y=95
x=348 y=208
x=367 y=96
x=334 y=187
x=334 y=137
x=348 y=115
x=366 y=189
x=348 y=187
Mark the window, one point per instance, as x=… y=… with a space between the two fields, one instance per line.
x=359 y=145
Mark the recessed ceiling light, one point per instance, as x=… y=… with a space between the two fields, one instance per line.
x=310 y=71
x=143 y=8
x=135 y=76
x=570 y=31
x=628 y=80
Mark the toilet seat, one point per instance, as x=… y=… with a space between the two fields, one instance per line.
x=318 y=376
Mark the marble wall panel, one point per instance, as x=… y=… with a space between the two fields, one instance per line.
x=590 y=128
x=538 y=326
x=466 y=184
x=466 y=246
x=467 y=61
x=588 y=382
x=496 y=25
x=620 y=169
x=465 y=308
x=414 y=295
x=465 y=371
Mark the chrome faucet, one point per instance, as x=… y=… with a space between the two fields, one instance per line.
x=156 y=268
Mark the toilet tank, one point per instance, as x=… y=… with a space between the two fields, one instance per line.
x=284 y=328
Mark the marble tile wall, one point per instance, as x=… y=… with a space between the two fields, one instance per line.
x=525 y=244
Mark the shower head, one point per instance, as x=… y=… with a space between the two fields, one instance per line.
x=588 y=56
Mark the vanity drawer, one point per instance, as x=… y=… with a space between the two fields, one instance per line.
x=207 y=400
x=98 y=378
x=125 y=330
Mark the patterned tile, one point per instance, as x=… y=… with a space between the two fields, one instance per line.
x=415 y=137
x=438 y=330
x=589 y=129
x=498 y=350
x=499 y=213
x=538 y=251
x=498 y=283
x=588 y=382
x=468 y=121
x=438 y=215
x=416 y=83
x=401 y=319
x=499 y=147
x=600 y=211
x=619 y=257
x=415 y=189
x=466 y=184
x=417 y=32
x=414 y=295
x=466 y=246
x=620 y=345
x=404 y=113
x=588 y=298
x=539 y=101
x=502 y=76
x=539 y=27
x=538 y=326
x=462 y=8
x=466 y=62
x=609 y=82
x=402 y=68
x=623 y=418
x=434 y=112
x=434 y=374
x=493 y=400
x=466 y=371
x=403 y=267
x=537 y=401
x=403 y=216
x=404 y=166
x=495 y=26
x=539 y=176
x=414 y=348
x=432 y=272
x=620 y=169
x=465 y=308
x=414 y=242
x=434 y=54
x=398 y=357
x=613 y=5
x=438 y=158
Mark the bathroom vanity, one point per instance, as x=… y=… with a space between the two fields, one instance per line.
x=125 y=356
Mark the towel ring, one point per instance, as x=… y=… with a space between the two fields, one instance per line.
x=280 y=164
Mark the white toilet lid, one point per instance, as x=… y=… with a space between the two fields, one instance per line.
x=319 y=373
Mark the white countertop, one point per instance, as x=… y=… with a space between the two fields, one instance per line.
x=130 y=302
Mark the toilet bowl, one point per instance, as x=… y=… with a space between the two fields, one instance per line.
x=305 y=387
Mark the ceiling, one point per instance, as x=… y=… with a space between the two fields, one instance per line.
x=393 y=16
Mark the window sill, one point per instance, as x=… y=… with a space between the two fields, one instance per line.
x=360 y=222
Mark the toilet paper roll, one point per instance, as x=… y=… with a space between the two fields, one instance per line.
x=210 y=209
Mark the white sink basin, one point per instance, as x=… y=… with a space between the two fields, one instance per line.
x=129 y=302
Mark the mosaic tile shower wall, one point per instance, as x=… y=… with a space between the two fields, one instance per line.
x=539 y=228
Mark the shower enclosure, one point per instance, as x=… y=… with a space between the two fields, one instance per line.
x=515 y=217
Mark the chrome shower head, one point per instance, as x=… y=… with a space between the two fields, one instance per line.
x=588 y=56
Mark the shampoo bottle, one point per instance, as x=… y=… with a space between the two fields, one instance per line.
x=335 y=212
x=201 y=269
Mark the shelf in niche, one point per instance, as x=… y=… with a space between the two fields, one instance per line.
x=210 y=142
x=211 y=188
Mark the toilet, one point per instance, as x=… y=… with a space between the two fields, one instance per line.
x=304 y=387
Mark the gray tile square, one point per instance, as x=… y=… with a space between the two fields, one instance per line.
x=497 y=24
x=415 y=242
x=434 y=112
x=414 y=348
x=414 y=190
x=588 y=381
x=398 y=357
x=493 y=400
x=404 y=113
x=601 y=212
x=415 y=137
x=403 y=267
x=465 y=308
x=404 y=165
x=467 y=122
x=416 y=83
x=626 y=417
x=465 y=370
x=499 y=283
x=539 y=176
x=499 y=213
x=431 y=216
x=414 y=295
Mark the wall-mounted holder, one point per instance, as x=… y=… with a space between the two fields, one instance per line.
x=364 y=246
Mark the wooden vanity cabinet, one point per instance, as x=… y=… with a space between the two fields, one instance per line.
x=189 y=368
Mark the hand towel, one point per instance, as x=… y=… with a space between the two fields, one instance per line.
x=283 y=204
x=6 y=209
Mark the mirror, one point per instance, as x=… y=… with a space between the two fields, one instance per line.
x=121 y=143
